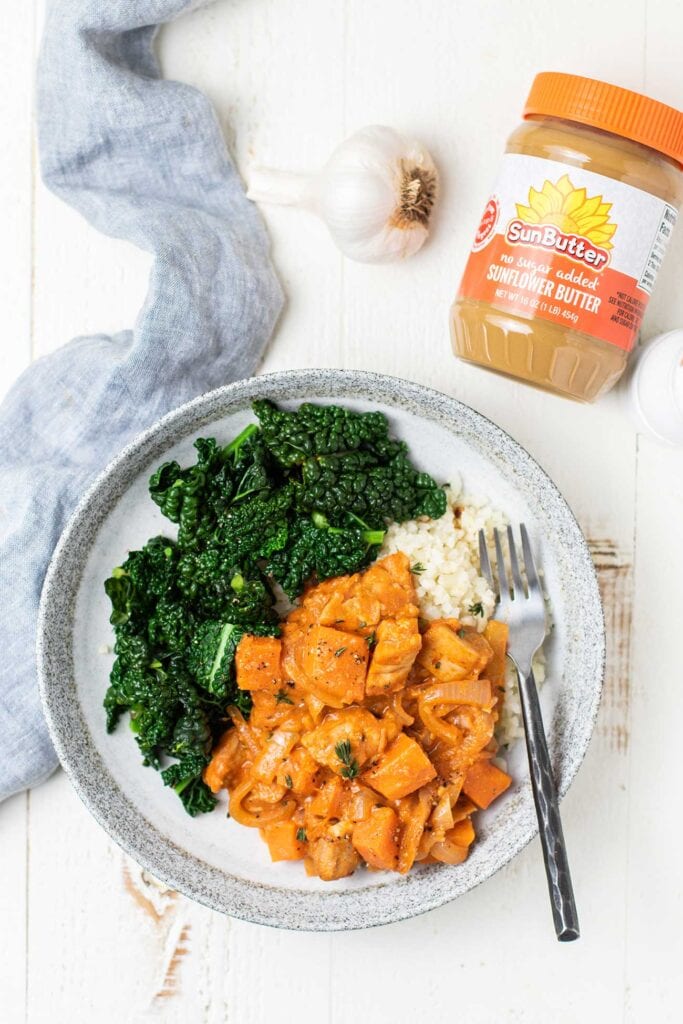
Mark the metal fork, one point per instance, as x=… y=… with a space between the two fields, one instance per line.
x=523 y=608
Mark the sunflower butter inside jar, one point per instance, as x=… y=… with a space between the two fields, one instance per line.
x=568 y=248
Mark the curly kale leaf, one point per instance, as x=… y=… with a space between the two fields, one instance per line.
x=170 y=627
x=211 y=655
x=257 y=527
x=218 y=589
x=166 y=489
x=197 y=496
x=341 y=484
x=294 y=436
x=151 y=571
x=185 y=776
x=192 y=735
x=317 y=549
x=120 y=591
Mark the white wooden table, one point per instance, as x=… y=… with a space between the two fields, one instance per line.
x=84 y=935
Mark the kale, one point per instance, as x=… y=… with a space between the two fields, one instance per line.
x=317 y=549
x=211 y=654
x=196 y=497
x=153 y=676
x=214 y=586
x=119 y=590
x=317 y=430
x=341 y=484
x=185 y=778
x=305 y=493
x=348 y=463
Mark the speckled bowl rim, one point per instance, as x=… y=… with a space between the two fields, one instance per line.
x=252 y=901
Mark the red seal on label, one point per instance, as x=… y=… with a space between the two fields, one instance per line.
x=487 y=225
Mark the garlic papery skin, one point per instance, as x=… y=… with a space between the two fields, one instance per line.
x=376 y=194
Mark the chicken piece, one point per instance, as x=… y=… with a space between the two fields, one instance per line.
x=376 y=838
x=266 y=793
x=413 y=812
x=293 y=639
x=299 y=772
x=227 y=758
x=448 y=654
x=353 y=609
x=335 y=663
x=398 y=644
x=446 y=759
x=403 y=768
x=271 y=711
x=391 y=582
x=257 y=662
x=333 y=857
x=361 y=734
x=315 y=598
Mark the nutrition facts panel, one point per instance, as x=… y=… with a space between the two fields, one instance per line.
x=659 y=246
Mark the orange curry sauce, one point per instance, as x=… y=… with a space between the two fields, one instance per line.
x=371 y=734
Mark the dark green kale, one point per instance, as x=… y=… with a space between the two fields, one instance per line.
x=357 y=483
x=211 y=654
x=185 y=777
x=173 y=671
x=292 y=437
x=195 y=498
x=317 y=549
x=306 y=493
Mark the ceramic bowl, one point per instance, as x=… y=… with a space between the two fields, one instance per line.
x=214 y=860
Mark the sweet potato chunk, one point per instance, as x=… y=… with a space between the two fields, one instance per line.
x=328 y=801
x=484 y=782
x=282 y=841
x=299 y=772
x=449 y=654
x=257 y=662
x=398 y=644
x=336 y=664
x=462 y=832
x=403 y=768
x=376 y=838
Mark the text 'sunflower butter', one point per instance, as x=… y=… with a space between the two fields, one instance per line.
x=571 y=239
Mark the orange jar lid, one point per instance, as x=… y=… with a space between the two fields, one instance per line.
x=609 y=108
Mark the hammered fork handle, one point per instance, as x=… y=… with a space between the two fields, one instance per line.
x=547 y=808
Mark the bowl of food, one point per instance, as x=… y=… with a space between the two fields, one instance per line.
x=270 y=663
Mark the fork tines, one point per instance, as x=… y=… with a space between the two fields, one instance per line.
x=522 y=579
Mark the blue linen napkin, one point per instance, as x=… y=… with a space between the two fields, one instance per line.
x=142 y=159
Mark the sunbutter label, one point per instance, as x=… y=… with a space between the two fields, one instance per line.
x=569 y=246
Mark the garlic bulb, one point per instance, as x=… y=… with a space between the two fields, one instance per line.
x=376 y=194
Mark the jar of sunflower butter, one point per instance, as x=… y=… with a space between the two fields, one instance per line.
x=571 y=239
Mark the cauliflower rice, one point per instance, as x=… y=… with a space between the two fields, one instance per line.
x=444 y=554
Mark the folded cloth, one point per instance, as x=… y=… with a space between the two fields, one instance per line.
x=142 y=159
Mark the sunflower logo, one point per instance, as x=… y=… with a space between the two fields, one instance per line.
x=570 y=210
